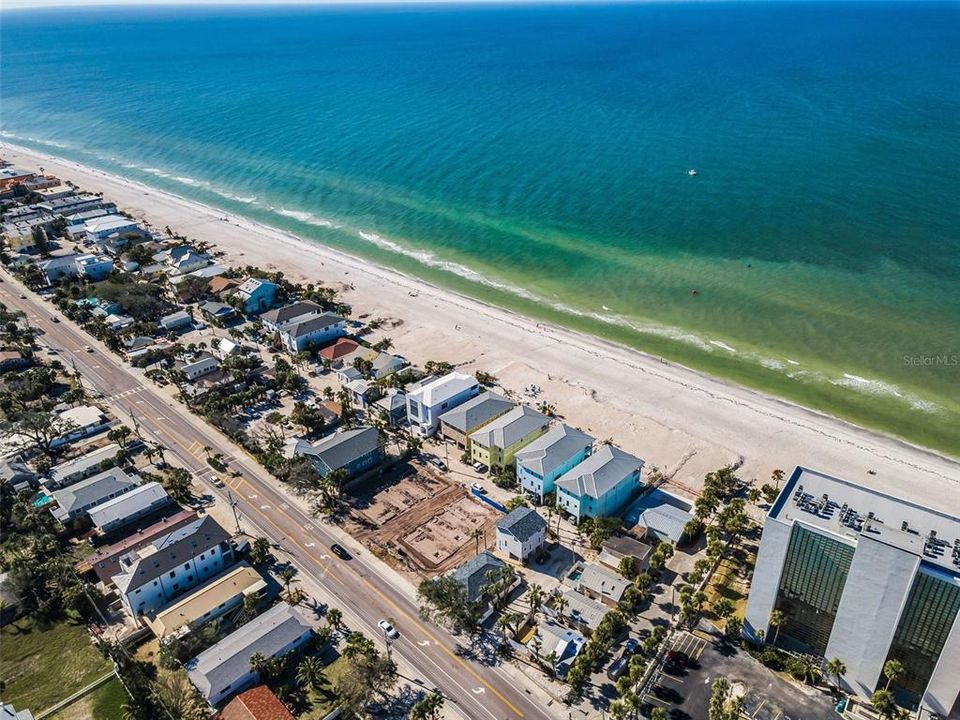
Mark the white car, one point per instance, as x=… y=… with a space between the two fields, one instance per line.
x=479 y=466
x=479 y=488
x=389 y=630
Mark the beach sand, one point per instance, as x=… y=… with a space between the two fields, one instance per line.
x=682 y=421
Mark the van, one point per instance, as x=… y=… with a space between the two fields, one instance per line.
x=617 y=667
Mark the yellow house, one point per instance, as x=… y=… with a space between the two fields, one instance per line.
x=496 y=443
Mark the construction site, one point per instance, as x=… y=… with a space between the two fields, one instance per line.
x=419 y=520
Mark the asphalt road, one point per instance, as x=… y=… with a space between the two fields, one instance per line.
x=477 y=691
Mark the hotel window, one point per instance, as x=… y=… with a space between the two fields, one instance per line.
x=930 y=611
x=814 y=574
x=173 y=573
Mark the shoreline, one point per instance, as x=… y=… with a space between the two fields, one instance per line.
x=683 y=420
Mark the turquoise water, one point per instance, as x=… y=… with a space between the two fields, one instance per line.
x=537 y=157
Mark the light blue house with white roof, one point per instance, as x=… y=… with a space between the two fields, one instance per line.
x=548 y=457
x=600 y=486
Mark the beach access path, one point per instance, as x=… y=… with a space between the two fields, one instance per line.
x=680 y=420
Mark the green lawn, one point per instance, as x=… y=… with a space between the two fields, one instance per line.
x=323 y=702
x=42 y=664
x=104 y=703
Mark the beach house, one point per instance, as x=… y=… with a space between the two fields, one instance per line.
x=95 y=267
x=274 y=320
x=224 y=669
x=255 y=295
x=154 y=574
x=496 y=443
x=521 y=533
x=100 y=228
x=433 y=397
x=311 y=332
x=354 y=450
x=78 y=499
x=459 y=423
x=140 y=502
x=600 y=486
x=548 y=457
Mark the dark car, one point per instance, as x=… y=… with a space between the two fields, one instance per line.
x=677 y=658
x=630 y=647
x=340 y=551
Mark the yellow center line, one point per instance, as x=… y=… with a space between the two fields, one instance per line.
x=389 y=601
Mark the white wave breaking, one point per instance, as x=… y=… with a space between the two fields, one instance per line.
x=306 y=217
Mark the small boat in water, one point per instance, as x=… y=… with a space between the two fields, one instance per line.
x=691 y=172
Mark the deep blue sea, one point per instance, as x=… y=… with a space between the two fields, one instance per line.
x=537 y=156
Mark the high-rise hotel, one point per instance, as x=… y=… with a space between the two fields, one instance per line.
x=864 y=577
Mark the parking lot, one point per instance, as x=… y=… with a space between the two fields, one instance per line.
x=685 y=693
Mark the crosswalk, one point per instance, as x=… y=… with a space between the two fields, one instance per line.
x=125 y=394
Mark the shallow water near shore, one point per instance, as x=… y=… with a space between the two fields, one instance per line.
x=537 y=157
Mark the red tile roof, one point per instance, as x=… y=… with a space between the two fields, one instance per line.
x=341 y=347
x=258 y=703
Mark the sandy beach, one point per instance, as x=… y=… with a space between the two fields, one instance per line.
x=682 y=421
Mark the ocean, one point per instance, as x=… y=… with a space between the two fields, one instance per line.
x=538 y=157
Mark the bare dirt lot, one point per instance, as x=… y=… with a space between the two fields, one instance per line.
x=421 y=519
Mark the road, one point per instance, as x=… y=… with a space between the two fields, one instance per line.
x=359 y=584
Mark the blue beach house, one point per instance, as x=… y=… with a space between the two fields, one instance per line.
x=256 y=295
x=354 y=450
x=600 y=486
x=548 y=457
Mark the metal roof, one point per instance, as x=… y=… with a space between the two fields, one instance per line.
x=600 y=472
x=477 y=411
x=229 y=660
x=140 y=499
x=553 y=449
x=510 y=428
x=93 y=489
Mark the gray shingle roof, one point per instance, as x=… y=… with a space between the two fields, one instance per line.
x=605 y=583
x=523 y=523
x=600 y=472
x=473 y=573
x=344 y=446
x=291 y=312
x=229 y=660
x=552 y=449
x=168 y=551
x=93 y=489
x=306 y=327
x=509 y=427
x=476 y=411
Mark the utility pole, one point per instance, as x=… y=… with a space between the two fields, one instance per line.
x=233 y=506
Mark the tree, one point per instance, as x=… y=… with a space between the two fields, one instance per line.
x=443 y=600
x=335 y=618
x=310 y=673
x=515 y=502
x=885 y=704
x=892 y=670
x=836 y=669
x=250 y=608
x=658 y=713
x=427 y=708
x=733 y=627
x=535 y=598
x=724 y=607
x=628 y=567
x=288 y=574
x=260 y=551
x=175 y=693
x=777 y=477
x=178 y=484
x=776 y=620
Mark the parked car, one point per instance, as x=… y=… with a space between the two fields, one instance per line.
x=389 y=630
x=630 y=647
x=479 y=488
x=438 y=463
x=479 y=467
x=87 y=348
x=54 y=318
x=217 y=482
x=617 y=668
x=340 y=551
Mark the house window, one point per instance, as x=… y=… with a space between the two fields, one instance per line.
x=186 y=566
x=176 y=586
x=173 y=573
x=138 y=591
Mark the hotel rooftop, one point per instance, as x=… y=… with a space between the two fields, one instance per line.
x=852 y=510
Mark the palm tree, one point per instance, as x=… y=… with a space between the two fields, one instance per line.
x=776 y=620
x=560 y=604
x=287 y=575
x=478 y=533
x=259 y=663
x=310 y=673
x=836 y=669
x=777 y=477
x=885 y=704
x=535 y=598
x=658 y=713
x=502 y=625
x=893 y=671
x=335 y=618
